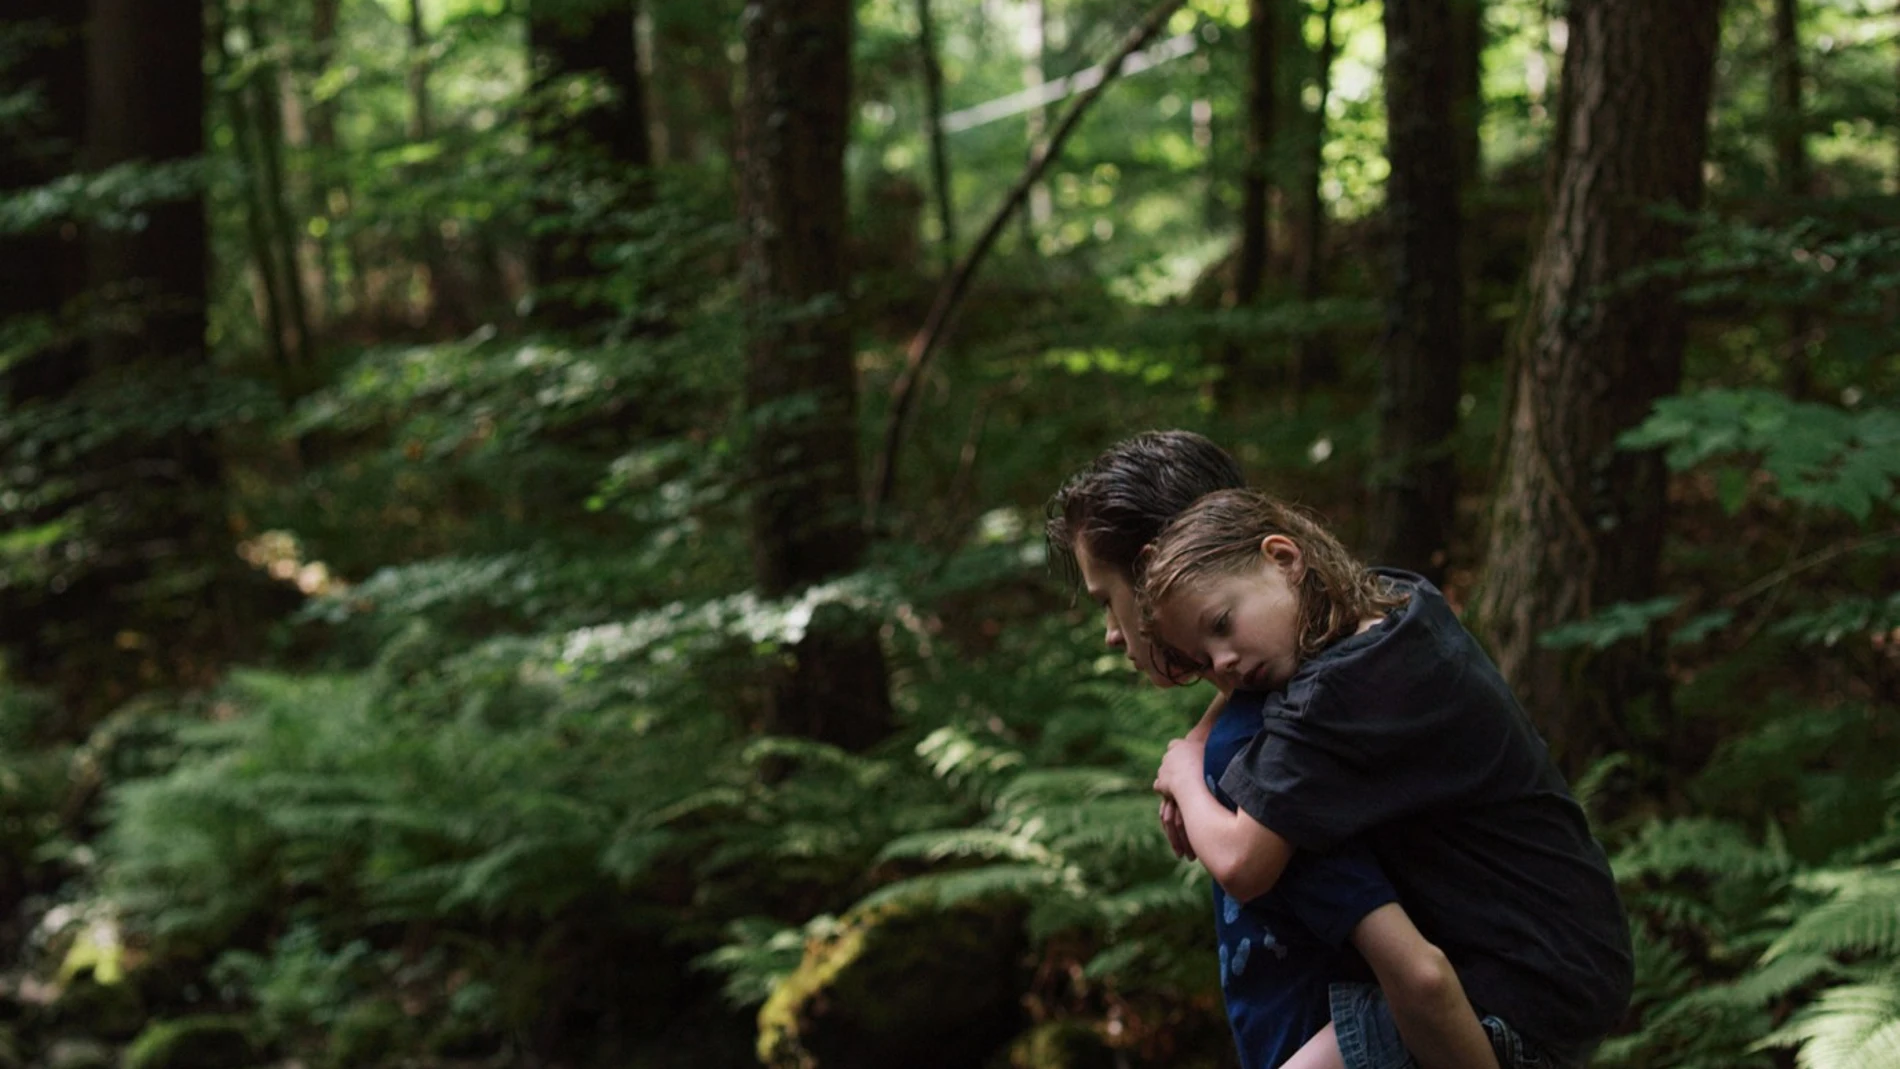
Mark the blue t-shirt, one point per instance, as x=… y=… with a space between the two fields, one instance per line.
x=1280 y=952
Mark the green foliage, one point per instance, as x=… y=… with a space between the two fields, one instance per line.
x=1818 y=455
x=1612 y=625
x=112 y=199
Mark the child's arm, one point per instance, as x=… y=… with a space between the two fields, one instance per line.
x=1428 y=1003
x=1205 y=727
x=1243 y=855
x=1171 y=824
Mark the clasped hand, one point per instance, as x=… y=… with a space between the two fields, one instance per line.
x=1184 y=758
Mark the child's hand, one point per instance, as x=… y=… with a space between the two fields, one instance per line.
x=1176 y=830
x=1181 y=768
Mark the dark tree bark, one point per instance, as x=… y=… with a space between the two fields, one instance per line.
x=933 y=121
x=1314 y=358
x=266 y=87
x=147 y=104
x=801 y=386
x=163 y=588
x=594 y=38
x=1577 y=524
x=591 y=39
x=695 y=113
x=448 y=298
x=322 y=118
x=1467 y=85
x=41 y=272
x=257 y=216
x=1414 y=488
x=1250 y=267
x=1791 y=172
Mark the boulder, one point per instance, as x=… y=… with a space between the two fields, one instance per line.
x=89 y=1007
x=207 y=1042
x=901 y=984
x=1058 y=1045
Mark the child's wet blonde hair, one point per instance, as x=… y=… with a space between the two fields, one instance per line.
x=1220 y=535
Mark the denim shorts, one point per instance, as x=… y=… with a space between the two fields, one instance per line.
x=1369 y=1037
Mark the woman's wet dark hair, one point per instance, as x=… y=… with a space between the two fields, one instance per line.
x=1119 y=503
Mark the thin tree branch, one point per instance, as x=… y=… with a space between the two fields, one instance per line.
x=950 y=296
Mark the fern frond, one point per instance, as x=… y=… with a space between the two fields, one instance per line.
x=1775 y=978
x=970 y=842
x=1698 y=844
x=942 y=890
x=1861 y=917
x=1855 y=1026
x=1181 y=898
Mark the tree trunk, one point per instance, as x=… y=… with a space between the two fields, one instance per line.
x=147 y=104
x=584 y=39
x=1791 y=173
x=323 y=116
x=1250 y=268
x=162 y=592
x=933 y=124
x=447 y=302
x=256 y=222
x=41 y=271
x=1577 y=524
x=265 y=83
x=1314 y=358
x=1467 y=86
x=801 y=385
x=1414 y=487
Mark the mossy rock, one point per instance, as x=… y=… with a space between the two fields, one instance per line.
x=88 y=1007
x=206 y=1042
x=1058 y=1045
x=901 y=985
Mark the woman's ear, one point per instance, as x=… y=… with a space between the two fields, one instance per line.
x=1284 y=553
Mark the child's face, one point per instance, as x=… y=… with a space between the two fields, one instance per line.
x=1242 y=628
x=1112 y=590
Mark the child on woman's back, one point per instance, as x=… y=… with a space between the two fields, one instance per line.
x=1386 y=724
x=1280 y=953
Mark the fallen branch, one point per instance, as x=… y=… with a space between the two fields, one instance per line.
x=949 y=300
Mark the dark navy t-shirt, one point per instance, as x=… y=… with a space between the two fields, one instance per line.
x=1406 y=738
x=1280 y=952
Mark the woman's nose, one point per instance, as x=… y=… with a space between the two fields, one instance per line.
x=1113 y=636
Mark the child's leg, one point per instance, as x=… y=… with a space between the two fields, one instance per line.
x=1428 y=1003
x=1320 y=1052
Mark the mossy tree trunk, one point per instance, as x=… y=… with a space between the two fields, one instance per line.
x=801 y=386
x=1577 y=524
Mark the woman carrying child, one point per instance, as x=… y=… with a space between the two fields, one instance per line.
x=1384 y=724
x=1281 y=952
